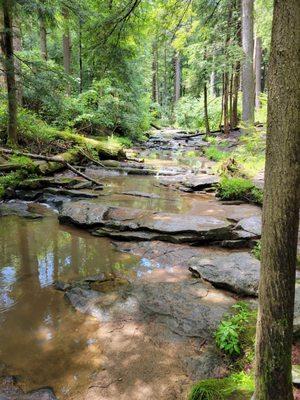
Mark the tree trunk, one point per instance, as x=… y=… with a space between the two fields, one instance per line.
x=213 y=84
x=207 y=129
x=177 y=77
x=235 y=92
x=43 y=37
x=248 y=85
x=280 y=210
x=8 y=52
x=225 y=104
x=155 y=98
x=80 y=57
x=257 y=67
x=17 y=46
x=66 y=42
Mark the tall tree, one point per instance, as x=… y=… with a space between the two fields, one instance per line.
x=177 y=77
x=247 y=67
x=43 y=34
x=66 y=41
x=281 y=209
x=9 y=66
x=257 y=68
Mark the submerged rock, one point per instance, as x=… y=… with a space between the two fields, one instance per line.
x=18 y=208
x=9 y=390
x=237 y=272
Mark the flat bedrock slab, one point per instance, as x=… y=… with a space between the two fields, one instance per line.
x=188 y=308
x=20 y=209
x=145 y=224
x=251 y=224
x=237 y=272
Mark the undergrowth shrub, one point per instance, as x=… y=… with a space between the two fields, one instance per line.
x=256 y=251
x=215 y=154
x=233 y=188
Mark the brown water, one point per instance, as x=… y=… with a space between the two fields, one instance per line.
x=42 y=338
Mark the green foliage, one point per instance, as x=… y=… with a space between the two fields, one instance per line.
x=214 y=154
x=238 y=384
x=12 y=179
x=233 y=188
x=228 y=334
x=256 y=251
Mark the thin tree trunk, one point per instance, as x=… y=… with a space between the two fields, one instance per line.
x=154 y=74
x=66 y=42
x=225 y=104
x=222 y=103
x=43 y=37
x=8 y=51
x=17 y=46
x=231 y=98
x=257 y=67
x=206 y=117
x=213 y=84
x=80 y=57
x=248 y=85
x=281 y=209
x=235 y=94
x=177 y=77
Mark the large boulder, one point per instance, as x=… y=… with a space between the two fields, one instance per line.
x=237 y=272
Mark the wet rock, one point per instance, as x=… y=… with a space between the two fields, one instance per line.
x=9 y=390
x=71 y=193
x=251 y=224
x=83 y=213
x=209 y=364
x=128 y=223
x=187 y=308
x=201 y=182
x=296 y=374
x=297 y=312
x=62 y=286
x=17 y=208
x=141 y=194
x=237 y=272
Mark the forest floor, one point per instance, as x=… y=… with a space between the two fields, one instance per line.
x=172 y=259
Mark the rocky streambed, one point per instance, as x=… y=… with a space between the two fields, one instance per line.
x=160 y=262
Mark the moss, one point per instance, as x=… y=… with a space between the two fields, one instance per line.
x=214 y=154
x=240 y=385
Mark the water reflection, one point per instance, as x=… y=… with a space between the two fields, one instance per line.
x=41 y=336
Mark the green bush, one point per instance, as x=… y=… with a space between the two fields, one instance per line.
x=239 y=189
x=239 y=384
x=214 y=154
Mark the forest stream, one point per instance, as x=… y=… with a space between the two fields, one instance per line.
x=131 y=318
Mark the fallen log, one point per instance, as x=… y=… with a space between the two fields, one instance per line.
x=55 y=159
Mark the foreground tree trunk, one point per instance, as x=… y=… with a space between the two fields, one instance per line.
x=247 y=68
x=281 y=209
x=257 y=68
x=9 y=66
x=17 y=46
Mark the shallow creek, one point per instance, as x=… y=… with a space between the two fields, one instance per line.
x=43 y=339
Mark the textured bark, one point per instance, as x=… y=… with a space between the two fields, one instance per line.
x=207 y=129
x=226 y=73
x=281 y=209
x=66 y=42
x=177 y=77
x=248 y=85
x=257 y=68
x=9 y=66
x=43 y=37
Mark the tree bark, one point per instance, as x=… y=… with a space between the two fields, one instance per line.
x=212 y=84
x=257 y=67
x=66 y=42
x=177 y=77
x=206 y=117
x=235 y=93
x=248 y=85
x=43 y=37
x=17 y=46
x=8 y=52
x=281 y=209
